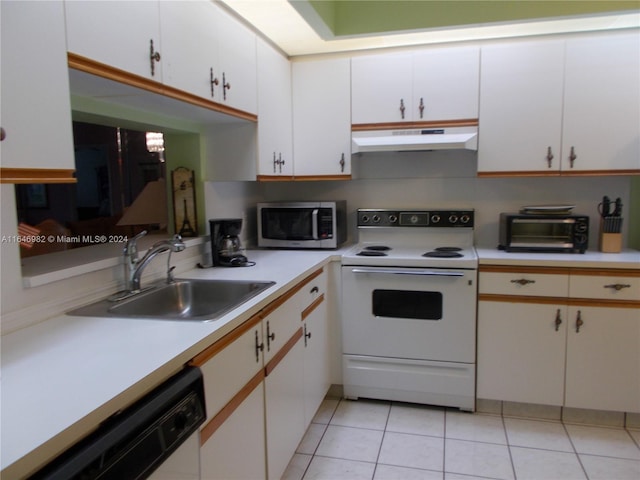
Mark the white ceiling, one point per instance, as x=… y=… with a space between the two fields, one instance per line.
x=285 y=27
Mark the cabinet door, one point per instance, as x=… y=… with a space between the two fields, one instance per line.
x=237 y=63
x=601 y=113
x=603 y=359
x=190 y=47
x=379 y=84
x=321 y=117
x=446 y=84
x=316 y=357
x=284 y=408
x=521 y=106
x=118 y=34
x=237 y=448
x=36 y=110
x=275 y=142
x=521 y=354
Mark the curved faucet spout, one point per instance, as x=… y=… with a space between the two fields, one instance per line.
x=174 y=244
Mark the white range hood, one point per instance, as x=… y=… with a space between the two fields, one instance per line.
x=411 y=140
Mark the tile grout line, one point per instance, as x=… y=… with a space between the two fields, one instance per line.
x=506 y=437
x=575 y=450
x=326 y=427
x=384 y=432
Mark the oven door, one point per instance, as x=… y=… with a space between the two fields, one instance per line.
x=411 y=313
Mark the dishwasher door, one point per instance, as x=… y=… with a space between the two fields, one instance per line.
x=156 y=437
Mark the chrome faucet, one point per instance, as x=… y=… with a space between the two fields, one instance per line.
x=133 y=266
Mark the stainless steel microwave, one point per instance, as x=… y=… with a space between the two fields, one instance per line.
x=302 y=224
x=521 y=232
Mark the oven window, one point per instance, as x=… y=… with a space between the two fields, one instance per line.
x=528 y=233
x=407 y=304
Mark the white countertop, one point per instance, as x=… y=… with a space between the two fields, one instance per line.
x=590 y=259
x=62 y=377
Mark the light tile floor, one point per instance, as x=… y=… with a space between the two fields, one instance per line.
x=378 y=440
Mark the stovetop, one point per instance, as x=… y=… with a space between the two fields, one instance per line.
x=414 y=238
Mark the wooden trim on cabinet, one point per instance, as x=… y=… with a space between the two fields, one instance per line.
x=108 y=72
x=37 y=175
x=558 y=173
x=606 y=272
x=301 y=178
x=315 y=304
x=209 y=352
x=586 y=302
x=600 y=302
x=522 y=269
x=463 y=122
x=286 y=348
x=216 y=422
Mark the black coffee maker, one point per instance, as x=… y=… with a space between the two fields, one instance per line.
x=226 y=249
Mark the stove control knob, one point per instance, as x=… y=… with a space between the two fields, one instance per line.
x=376 y=219
x=435 y=218
x=453 y=219
x=364 y=219
x=393 y=218
x=414 y=219
x=465 y=218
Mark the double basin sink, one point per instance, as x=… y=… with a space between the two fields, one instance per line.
x=198 y=300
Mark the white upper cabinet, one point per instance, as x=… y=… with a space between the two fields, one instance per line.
x=425 y=85
x=119 y=34
x=602 y=103
x=275 y=143
x=521 y=106
x=36 y=110
x=237 y=68
x=321 y=118
x=566 y=106
x=190 y=54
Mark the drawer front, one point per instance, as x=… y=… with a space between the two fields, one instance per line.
x=230 y=369
x=524 y=283
x=606 y=287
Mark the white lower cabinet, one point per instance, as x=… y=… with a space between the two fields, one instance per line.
x=577 y=345
x=264 y=382
x=520 y=352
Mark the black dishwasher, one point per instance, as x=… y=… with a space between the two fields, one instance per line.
x=133 y=443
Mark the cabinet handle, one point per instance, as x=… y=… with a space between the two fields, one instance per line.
x=618 y=286
x=213 y=80
x=307 y=335
x=225 y=86
x=314 y=290
x=402 y=108
x=275 y=162
x=259 y=348
x=421 y=107
x=579 y=322
x=153 y=57
x=549 y=157
x=3 y=134
x=342 y=162
x=523 y=281
x=270 y=337
x=572 y=157
x=558 y=320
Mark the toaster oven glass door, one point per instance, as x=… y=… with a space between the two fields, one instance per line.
x=553 y=233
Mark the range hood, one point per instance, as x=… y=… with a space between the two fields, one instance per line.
x=411 y=140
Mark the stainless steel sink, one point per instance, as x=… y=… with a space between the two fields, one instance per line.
x=200 y=300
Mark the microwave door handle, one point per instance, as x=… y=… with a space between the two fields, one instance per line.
x=314 y=224
x=413 y=271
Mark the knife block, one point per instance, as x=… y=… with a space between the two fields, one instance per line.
x=609 y=242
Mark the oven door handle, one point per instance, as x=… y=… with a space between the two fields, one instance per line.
x=409 y=271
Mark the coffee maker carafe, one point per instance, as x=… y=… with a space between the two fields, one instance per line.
x=226 y=249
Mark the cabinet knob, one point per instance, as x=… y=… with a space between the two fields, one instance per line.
x=618 y=286
x=523 y=281
x=271 y=336
x=421 y=107
x=213 y=80
x=572 y=157
x=342 y=162
x=153 y=58
x=579 y=322
x=3 y=134
x=314 y=290
x=558 y=320
x=402 y=108
x=549 y=157
x=225 y=86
